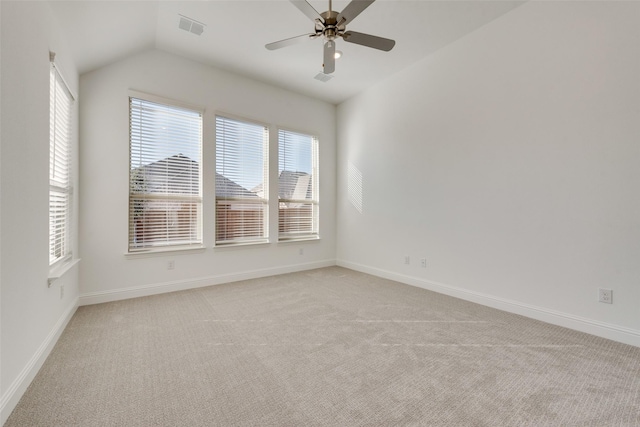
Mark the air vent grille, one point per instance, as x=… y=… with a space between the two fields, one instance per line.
x=190 y=25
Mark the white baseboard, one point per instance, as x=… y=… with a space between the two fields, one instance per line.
x=601 y=329
x=181 y=285
x=15 y=391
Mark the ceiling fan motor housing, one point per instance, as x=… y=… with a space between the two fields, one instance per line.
x=331 y=28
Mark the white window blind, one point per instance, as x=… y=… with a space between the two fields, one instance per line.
x=242 y=181
x=60 y=190
x=297 y=185
x=165 y=191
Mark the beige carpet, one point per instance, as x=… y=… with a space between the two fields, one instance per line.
x=328 y=347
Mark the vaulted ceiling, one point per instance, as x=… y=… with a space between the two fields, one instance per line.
x=103 y=31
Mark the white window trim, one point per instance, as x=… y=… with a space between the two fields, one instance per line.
x=169 y=249
x=60 y=268
x=166 y=101
x=316 y=184
x=61 y=265
x=260 y=241
x=165 y=251
x=306 y=238
x=61 y=72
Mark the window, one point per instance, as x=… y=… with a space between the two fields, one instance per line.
x=242 y=181
x=165 y=191
x=297 y=185
x=60 y=190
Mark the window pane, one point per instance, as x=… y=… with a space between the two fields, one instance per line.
x=297 y=185
x=241 y=181
x=60 y=106
x=165 y=198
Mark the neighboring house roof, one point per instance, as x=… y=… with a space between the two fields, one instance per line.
x=177 y=174
x=291 y=185
x=294 y=185
x=227 y=188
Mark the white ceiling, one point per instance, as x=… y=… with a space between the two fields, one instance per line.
x=102 y=31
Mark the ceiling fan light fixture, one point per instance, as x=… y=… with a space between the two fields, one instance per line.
x=332 y=25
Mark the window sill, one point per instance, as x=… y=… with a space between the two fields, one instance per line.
x=258 y=243
x=60 y=270
x=300 y=239
x=150 y=253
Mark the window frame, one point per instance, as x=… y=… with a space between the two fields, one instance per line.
x=182 y=245
x=315 y=188
x=64 y=186
x=264 y=201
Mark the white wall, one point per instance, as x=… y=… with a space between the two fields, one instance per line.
x=32 y=314
x=509 y=160
x=106 y=274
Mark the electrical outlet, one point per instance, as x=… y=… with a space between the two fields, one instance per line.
x=407 y=259
x=171 y=265
x=301 y=251
x=423 y=263
x=605 y=296
x=61 y=291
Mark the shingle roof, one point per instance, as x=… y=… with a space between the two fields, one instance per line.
x=288 y=181
x=294 y=185
x=177 y=174
x=227 y=188
x=180 y=174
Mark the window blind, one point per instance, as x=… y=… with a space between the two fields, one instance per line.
x=60 y=191
x=242 y=181
x=165 y=191
x=297 y=185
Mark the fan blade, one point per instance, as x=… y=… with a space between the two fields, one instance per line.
x=329 y=57
x=289 y=42
x=307 y=9
x=369 y=40
x=352 y=10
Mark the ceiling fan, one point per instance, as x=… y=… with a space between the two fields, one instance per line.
x=331 y=25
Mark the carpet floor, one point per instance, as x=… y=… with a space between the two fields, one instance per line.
x=327 y=347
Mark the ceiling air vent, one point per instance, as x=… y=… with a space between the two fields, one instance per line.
x=190 y=25
x=323 y=77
